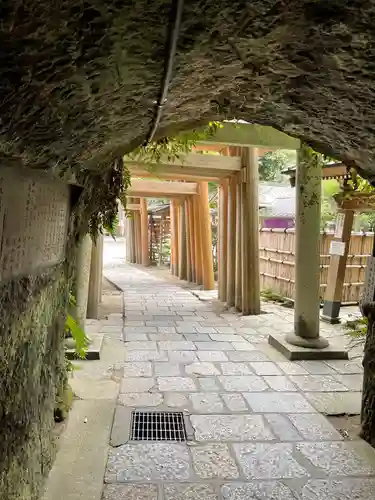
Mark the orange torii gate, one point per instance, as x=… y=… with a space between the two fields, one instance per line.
x=235 y=169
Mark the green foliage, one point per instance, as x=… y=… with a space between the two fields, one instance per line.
x=78 y=334
x=172 y=147
x=330 y=187
x=271 y=164
x=357 y=328
x=112 y=230
x=366 y=221
x=269 y=295
x=329 y=208
x=102 y=191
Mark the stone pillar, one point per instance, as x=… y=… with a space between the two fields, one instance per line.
x=305 y=342
x=250 y=233
x=83 y=265
x=337 y=266
x=307 y=261
x=231 y=243
x=223 y=240
x=96 y=268
x=182 y=271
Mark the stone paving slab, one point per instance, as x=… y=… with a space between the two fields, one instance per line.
x=270 y=490
x=230 y=428
x=269 y=461
x=131 y=492
x=149 y=462
x=190 y=492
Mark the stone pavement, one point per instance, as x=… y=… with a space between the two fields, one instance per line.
x=257 y=432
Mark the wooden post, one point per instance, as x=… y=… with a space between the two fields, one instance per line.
x=250 y=234
x=231 y=242
x=197 y=242
x=144 y=232
x=188 y=244
x=132 y=239
x=206 y=237
x=161 y=240
x=223 y=241
x=95 y=281
x=138 y=238
x=191 y=238
x=127 y=236
x=337 y=266
x=239 y=223
x=175 y=233
x=182 y=271
x=172 y=215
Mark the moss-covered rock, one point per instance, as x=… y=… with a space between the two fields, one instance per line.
x=64 y=402
x=32 y=369
x=79 y=80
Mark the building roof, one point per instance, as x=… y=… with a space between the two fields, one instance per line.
x=277 y=200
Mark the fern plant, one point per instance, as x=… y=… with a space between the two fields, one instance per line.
x=73 y=328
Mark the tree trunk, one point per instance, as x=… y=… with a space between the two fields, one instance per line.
x=368 y=394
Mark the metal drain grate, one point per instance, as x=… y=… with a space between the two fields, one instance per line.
x=157 y=426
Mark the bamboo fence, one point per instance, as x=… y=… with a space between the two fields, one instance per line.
x=277 y=257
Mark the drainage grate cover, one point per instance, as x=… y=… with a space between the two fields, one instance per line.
x=157 y=426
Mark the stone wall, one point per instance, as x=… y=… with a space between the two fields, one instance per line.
x=31 y=371
x=34 y=285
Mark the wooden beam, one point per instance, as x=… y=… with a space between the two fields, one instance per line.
x=249 y=134
x=190 y=163
x=167 y=175
x=223 y=241
x=231 y=242
x=144 y=232
x=132 y=206
x=152 y=188
x=206 y=237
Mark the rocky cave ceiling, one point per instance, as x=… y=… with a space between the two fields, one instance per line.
x=79 y=79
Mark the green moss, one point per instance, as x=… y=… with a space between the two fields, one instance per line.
x=64 y=402
x=32 y=369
